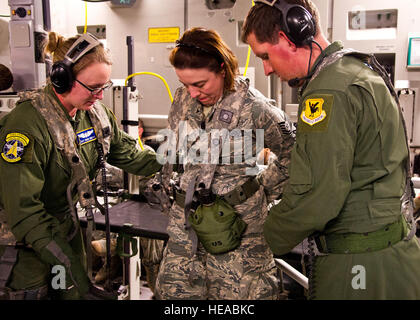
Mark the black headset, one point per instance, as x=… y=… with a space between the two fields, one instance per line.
x=61 y=75
x=299 y=25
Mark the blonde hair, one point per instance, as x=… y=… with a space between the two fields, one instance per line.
x=57 y=46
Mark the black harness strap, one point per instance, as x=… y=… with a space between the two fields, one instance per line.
x=101 y=163
x=89 y=230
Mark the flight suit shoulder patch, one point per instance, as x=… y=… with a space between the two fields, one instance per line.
x=17 y=147
x=316 y=113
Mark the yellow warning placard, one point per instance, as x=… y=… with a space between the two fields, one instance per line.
x=158 y=35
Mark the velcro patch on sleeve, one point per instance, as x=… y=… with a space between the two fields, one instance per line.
x=17 y=147
x=316 y=113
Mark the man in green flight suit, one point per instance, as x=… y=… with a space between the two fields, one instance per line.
x=50 y=145
x=349 y=165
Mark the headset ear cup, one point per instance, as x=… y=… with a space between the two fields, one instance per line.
x=61 y=77
x=301 y=25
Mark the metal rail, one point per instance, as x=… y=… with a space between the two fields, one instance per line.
x=292 y=272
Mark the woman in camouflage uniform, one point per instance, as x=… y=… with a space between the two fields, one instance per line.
x=213 y=98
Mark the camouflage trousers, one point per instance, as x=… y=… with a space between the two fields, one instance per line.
x=248 y=272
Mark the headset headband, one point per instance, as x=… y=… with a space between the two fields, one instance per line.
x=80 y=47
x=61 y=75
x=267 y=2
x=282 y=5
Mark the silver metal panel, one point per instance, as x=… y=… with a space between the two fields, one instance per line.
x=20 y=33
x=26 y=71
x=388 y=42
x=372 y=42
x=115 y=97
x=20 y=2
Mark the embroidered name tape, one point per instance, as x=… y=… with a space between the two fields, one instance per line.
x=14 y=147
x=86 y=136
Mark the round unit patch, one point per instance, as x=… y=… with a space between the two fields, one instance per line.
x=14 y=147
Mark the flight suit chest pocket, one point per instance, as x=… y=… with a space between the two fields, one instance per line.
x=300 y=171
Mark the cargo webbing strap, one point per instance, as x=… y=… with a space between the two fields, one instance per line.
x=235 y=197
x=101 y=165
x=362 y=242
x=243 y=192
x=89 y=231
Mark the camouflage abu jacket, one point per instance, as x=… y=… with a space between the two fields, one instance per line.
x=220 y=148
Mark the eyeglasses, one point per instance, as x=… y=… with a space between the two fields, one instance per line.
x=96 y=91
x=268 y=2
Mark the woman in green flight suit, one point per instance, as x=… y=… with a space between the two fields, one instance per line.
x=35 y=171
